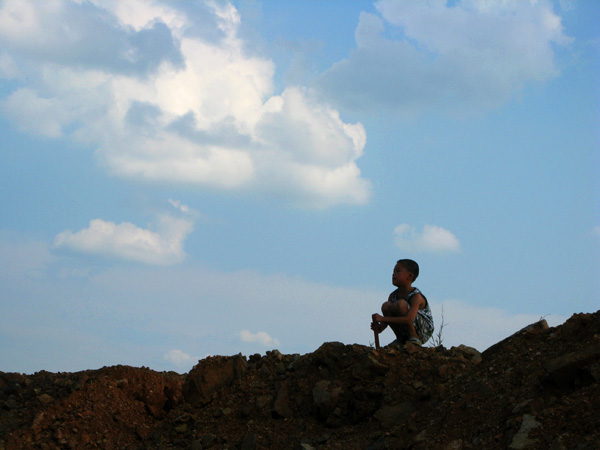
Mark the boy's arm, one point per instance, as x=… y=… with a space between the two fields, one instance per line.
x=377 y=325
x=416 y=302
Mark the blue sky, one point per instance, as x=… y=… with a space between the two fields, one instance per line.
x=183 y=179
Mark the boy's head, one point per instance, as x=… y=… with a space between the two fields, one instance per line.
x=410 y=266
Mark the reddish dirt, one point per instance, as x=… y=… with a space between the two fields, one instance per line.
x=538 y=389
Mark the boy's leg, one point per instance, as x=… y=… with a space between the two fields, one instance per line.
x=397 y=309
x=407 y=330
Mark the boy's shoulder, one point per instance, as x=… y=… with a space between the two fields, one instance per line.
x=414 y=291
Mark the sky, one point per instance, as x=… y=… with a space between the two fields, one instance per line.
x=182 y=179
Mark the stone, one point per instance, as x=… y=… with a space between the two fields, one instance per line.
x=208 y=440
x=368 y=366
x=282 y=408
x=250 y=442
x=595 y=372
x=320 y=392
x=412 y=348
x=567 y=369
x=392 y=415
x=196 y=445
x=521 y=440
x=455 y=445
x=536 y=327
x=45 y=398
x=11 y=403
x=332 y=355
x=325 y=399
x=262 y=402
x=305 y=446
x=469 y=353
x=211 y=374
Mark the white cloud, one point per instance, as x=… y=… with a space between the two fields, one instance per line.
x=21 y=258
x=172 y=95
x=458 y=57
x=482 y=326
x=43 y=116
x=432 y=239
x=180 y=359
x=260 y=337
x=178 y=205
x=84 y=36
x=145 y=315
x=8 y=67
x=127 y=241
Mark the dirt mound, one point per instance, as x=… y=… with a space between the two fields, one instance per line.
x=537 y=389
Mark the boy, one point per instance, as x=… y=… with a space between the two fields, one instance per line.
x=407 y=311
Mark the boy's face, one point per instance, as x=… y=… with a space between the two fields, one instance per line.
x=401 y=276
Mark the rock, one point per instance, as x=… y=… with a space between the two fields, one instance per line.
x=469 y=353
x=11 y=403
x=595 y=372
x=250 y=442
x=393 y=415
x=368 y=366
x=412 y=348
x=325 y=400
x=521 y=440
x=454 y=445
x=534 y=328
x=421 y=437
x=321 y=394
x=262 y=402
x=208 y=440
x=305 y=446
x=332 y=355
x=558 y=444
x=576 y=366
x=282 y=402
x=211 y=374
x=45 y=398
x=196 y=445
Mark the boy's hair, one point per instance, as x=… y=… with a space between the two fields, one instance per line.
x=411 y=266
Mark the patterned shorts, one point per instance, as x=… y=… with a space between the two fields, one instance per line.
x=423 y=327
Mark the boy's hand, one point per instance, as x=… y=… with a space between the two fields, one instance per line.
x=376 y=325
x=377 y=317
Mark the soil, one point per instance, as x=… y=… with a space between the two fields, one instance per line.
x=537 y=389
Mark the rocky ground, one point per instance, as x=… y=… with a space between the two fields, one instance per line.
x=538 y=389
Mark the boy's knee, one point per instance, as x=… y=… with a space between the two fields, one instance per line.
x=387 y=308
x=402 y=308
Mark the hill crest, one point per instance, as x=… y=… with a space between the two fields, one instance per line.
x=536 y=389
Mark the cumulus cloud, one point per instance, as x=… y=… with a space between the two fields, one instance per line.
x=168 y=92
x=169 y=310
x=432 y=239
x=8 y=67
x=259 y=337
x=178 y=205
x=459 y=55
x=128 y=241
x=94 y=39
x=21 y=258
x=179 y=358
x=482 y=326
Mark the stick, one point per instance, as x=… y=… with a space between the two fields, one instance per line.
x=376 y=332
